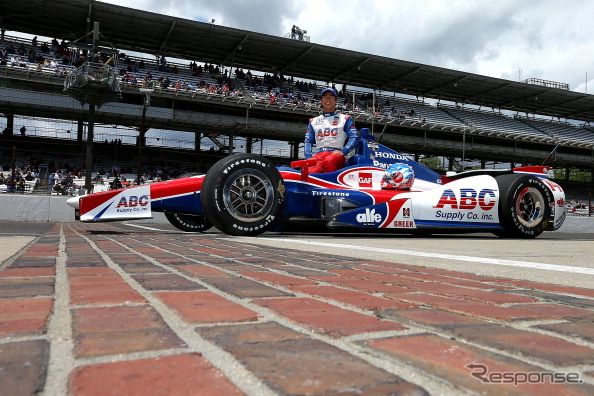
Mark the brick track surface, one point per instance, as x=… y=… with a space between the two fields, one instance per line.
x=96 y=310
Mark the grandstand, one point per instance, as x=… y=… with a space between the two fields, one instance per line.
x=204 y=106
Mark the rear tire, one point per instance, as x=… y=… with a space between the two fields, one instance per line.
x=524 y=206
x=243 y=195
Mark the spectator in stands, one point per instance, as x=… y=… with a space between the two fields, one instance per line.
x=1 y=178
x=23 y=130
x=328 y=132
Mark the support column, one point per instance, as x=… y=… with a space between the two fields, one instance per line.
x=483 y=164
x=79 y=131
x=567 y=171
x=294 y=151
x=197 y=141
x=89 y=157
x=231 y=142
x=9 y=131
x=249 y=144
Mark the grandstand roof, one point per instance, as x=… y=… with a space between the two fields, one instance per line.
x=133 y=30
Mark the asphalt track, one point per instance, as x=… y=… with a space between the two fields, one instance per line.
x=141 y=308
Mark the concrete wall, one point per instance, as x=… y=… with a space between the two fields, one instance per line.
x=38 y=208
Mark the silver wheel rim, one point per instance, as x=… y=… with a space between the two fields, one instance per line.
x=248 y=195
x=530 y=207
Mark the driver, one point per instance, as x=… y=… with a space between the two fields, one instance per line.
x=328 y=132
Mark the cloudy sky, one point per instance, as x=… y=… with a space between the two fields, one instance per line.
x=510 y=39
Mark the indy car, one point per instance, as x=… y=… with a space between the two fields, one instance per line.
x=246 y=195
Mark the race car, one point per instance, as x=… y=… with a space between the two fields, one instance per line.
x=379 y=189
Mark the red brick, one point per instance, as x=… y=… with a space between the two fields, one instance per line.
x=26 y=287
x=448 y=359
x=327 y=318
x=41 y=250
x=90 y=271
x=110 y=330
x=23 y=367
x=453 y=278
x=166 y=282
x=206 y=307
x=99 y=287
x=183 y=375
x=359 y=284
x=467 y=307
x=537 y=346
x=278 y=279
x=203 y=271
x=261 y=332
x=11 y=272
x=469 y=294
x=24 y=316
x=357 y=299
x=550 y=288
x=245 y=288
x=582 y=329
x=557 y=311
x=385 y=269
x=374 y=276
x=293 y=365
x=432 y=317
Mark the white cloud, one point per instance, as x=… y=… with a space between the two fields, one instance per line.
x=506 y=39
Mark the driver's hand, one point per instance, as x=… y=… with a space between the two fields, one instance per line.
x=338 y=152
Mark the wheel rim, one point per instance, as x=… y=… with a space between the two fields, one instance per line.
x=248 y=195
x=530 y=207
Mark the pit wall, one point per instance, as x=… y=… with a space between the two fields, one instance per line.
x=36 y=208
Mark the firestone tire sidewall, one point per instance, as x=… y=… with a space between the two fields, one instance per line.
x=213 y=194
x=188 y=223
x=508 y=208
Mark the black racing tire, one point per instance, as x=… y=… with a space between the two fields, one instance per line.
x=243 y=195
x=188 y=223
x=524 y=206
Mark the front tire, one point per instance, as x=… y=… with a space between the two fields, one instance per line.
x=188 y=223
x=243 y=195
x=524 y=206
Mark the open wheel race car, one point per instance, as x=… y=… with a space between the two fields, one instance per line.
x=245 y=194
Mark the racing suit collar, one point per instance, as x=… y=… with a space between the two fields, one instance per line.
x=331 y=114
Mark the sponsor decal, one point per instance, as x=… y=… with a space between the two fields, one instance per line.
x=369 y=217
x=394 y=156
x=469 y=199
x=404 y=224
x=330 y=193
x=133 y=201
x=129 y=203
x=281 y=189
x=327 y=132
x=365 y=179
x=254 y=161
x=406 y=212
x=552 y=185
x=362 y=178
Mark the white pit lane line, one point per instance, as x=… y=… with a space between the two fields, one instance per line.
x=484 y=260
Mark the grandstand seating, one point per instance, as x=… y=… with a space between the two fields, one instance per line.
x=393 y=110
x=286 y=95
x=562 y=131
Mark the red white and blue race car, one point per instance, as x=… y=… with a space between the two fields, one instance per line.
x=245 y=194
